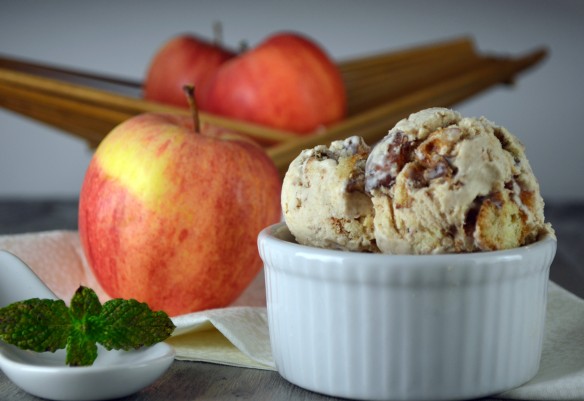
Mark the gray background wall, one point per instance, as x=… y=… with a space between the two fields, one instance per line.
x=544 y=109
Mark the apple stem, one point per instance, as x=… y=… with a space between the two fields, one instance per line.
x=218 y=33
x=190 y=92
x=243 y=47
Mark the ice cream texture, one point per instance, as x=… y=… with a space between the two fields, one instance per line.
x=436 y=183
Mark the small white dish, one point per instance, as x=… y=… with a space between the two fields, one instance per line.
x=114 y=374
x=405 y=327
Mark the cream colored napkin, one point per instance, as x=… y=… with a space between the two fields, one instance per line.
x=235 y=336
x=238 y=335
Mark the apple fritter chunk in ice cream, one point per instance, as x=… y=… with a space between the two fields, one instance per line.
x=324 y=200
x=442 y=183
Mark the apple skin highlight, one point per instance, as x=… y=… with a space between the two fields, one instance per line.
x=170 y=217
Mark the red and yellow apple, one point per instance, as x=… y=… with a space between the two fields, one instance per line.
x=287 y=82
x=170 y=216
x=183 y=60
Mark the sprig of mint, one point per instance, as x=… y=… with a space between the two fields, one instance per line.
x=42 y=325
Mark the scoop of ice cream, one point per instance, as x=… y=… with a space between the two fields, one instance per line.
x=323 y=198
x=442 y=183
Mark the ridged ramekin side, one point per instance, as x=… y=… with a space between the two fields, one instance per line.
x=452 y=329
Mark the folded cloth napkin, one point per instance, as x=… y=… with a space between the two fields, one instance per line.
x=235 y=336
x=238 y=335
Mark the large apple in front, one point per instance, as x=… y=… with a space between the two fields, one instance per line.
x=287 y=82
x=183 y=60
x=170 y=216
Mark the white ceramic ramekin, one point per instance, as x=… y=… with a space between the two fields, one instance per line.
x=392 y=327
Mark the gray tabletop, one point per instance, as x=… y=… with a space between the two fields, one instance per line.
x=204 y=381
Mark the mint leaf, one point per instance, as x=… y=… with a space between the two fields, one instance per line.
x=131 y=324
x=81 y=345
x=47 y=325
x=36 y=324
x=84 y=303
x=81 y=351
